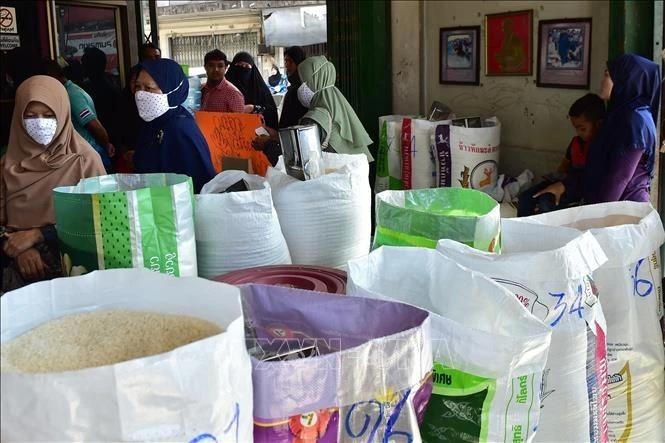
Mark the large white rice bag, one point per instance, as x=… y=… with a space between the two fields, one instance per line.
x=326 y=221
x=630 y=286
x=389 y=155
x=467 y=157
x=198 y=392
x=418 y=168
x=550 y=275
x=489 y=351
x=237 y=230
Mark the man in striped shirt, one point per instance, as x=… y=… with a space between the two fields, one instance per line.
x=218 y=94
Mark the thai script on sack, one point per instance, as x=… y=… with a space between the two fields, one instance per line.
x=169 y=263
x=477 y=149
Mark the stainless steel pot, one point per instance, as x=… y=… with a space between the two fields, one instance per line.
x=301 y=146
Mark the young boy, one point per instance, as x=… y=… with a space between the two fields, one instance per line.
x=586 y=115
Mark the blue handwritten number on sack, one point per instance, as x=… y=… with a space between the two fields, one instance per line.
x=392 y=420
x=637 y=282
x=577 y=304
x=559 y=304
x=208 y=438
x=362 y=432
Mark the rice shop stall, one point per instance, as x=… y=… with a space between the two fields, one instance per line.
x=289 y=301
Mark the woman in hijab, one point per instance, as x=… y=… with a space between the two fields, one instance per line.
x=244 y=74
x=340 y=128
x=44 y=152
x=621 y=156
x=169 y=139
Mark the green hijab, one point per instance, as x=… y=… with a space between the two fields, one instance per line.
x=347 y=136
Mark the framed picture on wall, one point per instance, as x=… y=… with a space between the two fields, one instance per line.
x=564 y=53
x=459 y=55
x=509 y=43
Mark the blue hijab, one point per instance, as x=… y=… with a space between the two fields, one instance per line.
x=632 y=113
x=173 y=142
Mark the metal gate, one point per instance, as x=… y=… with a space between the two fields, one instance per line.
x=190 y=50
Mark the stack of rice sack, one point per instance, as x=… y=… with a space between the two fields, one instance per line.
x=415 y=153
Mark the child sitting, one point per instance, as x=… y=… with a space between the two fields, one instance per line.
x=586 y=115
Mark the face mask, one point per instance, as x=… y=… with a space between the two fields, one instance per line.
x=41 y=130
x=305 y=95
x=151 y=105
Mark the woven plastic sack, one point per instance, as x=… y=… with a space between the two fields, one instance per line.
x=630 y=286
x=237 y=230
x=198 y=392
x=550 y=274
x=467 y=157
x=128 y=220
x=418 y=167
x=368 y=381
x=326 y=221
x=422 y=217
x=389 y=155
x=489 y=351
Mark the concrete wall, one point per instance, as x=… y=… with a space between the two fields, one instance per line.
x=406 y=34
x=535 y=130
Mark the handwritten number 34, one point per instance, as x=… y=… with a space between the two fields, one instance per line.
x=562 y=306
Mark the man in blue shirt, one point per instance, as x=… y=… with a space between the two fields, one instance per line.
x=84 y=116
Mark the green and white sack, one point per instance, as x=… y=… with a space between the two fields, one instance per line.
x=127 y=221
x=389 y=156
x=424 y=216
x=489 y=351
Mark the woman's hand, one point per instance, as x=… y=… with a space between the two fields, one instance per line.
x=20 y=241
x=556 y=189
x=30 y=265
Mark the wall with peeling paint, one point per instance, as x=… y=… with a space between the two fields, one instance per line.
x=406 y=70
x=535 y=131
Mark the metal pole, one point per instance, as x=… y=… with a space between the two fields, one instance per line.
x=154 y=33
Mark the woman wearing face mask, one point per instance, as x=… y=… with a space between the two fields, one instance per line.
x=44 y=152
x=169 y=139
x=621 y=155
x=340 y=129
x=245 y=76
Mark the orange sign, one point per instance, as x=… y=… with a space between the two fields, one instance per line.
x=231 y=135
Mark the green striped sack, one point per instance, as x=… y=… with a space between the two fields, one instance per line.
x=127 y=221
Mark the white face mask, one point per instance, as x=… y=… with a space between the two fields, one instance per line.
x=151 y=105
x=305 y=95
x=42 y=130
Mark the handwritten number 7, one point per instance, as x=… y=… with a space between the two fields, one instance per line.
x=559 y=304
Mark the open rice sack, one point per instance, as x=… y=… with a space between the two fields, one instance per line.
x=198 y=389
x=389 y=155
x=467 y=157
x=550 y=274
x=630 y=287
x=489 y=352
x=237 y=230
x=125 y=221
x=422 y=217
x=364 y=372
x=326 y=221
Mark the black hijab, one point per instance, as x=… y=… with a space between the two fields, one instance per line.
x=252 y=86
